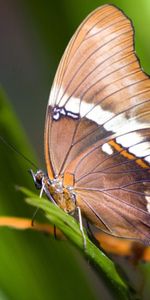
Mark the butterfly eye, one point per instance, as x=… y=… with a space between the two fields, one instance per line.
x=37 y=177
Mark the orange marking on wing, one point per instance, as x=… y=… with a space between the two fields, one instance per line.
x=68 y=179
x=115 y=145
x=141 y=163
x=46 y=148
x=126 y=154
x=136 y=251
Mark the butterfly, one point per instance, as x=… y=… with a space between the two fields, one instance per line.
x=97 y=129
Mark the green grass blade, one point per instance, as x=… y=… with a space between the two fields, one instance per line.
x=69 y=226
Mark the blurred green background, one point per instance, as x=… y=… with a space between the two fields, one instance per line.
x=33 y=36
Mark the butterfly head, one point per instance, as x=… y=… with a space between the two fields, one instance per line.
x=37 y=178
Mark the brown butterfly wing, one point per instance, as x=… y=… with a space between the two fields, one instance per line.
x=98 y=125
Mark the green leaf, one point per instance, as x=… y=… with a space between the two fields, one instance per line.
x=69 y=226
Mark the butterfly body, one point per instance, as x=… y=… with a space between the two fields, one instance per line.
x=64 y=197
x=97 y=129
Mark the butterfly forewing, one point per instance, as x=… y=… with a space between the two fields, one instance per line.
x=97 y=133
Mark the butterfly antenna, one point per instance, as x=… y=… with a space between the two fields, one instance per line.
x=18 y=152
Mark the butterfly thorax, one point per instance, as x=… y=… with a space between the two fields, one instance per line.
x=62 y=196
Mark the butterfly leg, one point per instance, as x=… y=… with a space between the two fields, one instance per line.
x=91 y=235
x=37 y=209
x=81 y=227
x=34 y=215
x=42 y=189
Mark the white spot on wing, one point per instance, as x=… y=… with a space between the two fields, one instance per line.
x=62 y=98
x=148 y=199
x=129 y=139
x=73 y=105
x=57 y=97
x=85 y=108
x=120 y=124
x=147 y=195
x=51 y=97
x=107 y=149
x=147 y=159
x=56 y=116
x=95 y=113
x=148 y=203
x=140 y=150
